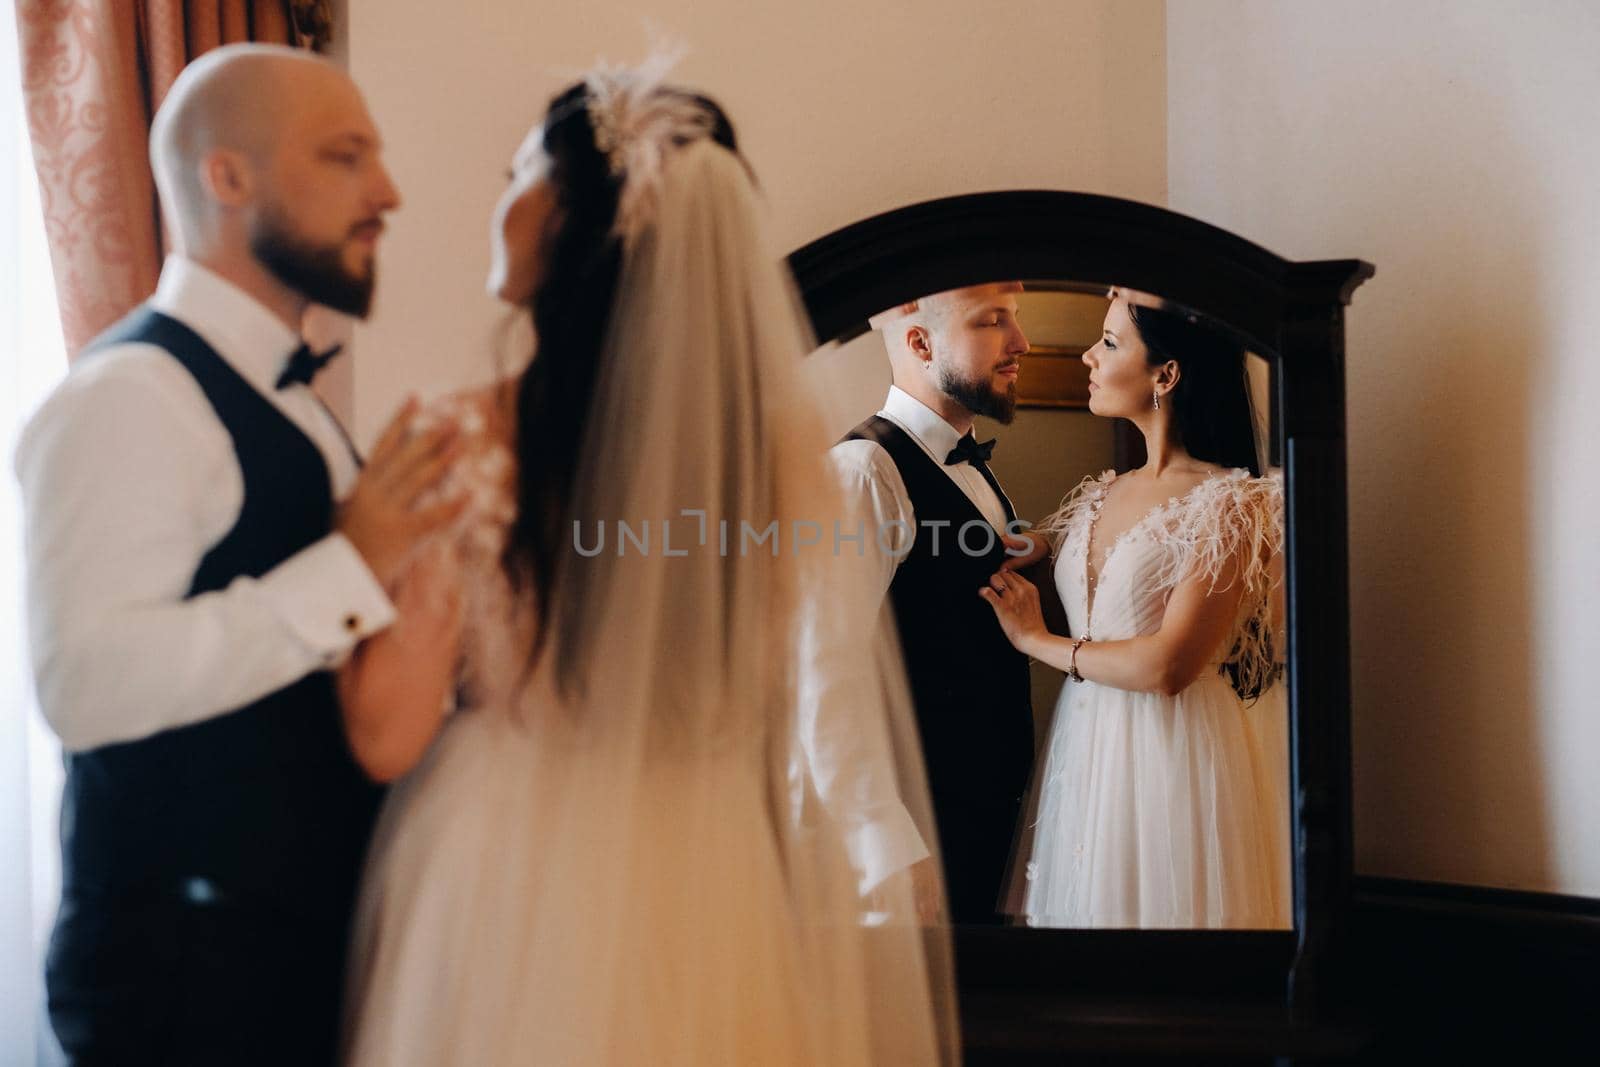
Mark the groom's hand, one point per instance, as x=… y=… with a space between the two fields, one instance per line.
x=918 y=885
x=928 y=891
x=380 y=518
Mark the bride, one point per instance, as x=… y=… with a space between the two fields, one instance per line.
x=1155 y=803
x=645 y=836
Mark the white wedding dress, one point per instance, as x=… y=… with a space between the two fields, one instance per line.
x=646 y=849
x=480 y=938
x=480 y=943
x=1154 y=810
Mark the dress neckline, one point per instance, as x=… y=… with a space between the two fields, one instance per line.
x=1091 y=580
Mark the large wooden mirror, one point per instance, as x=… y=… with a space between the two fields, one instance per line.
x=1037 y=977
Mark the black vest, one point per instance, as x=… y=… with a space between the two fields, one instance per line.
x=265 y=802
x=970 y=686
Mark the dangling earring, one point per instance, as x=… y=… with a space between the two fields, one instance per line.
x=1158 y=399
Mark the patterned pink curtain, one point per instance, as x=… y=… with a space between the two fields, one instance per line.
x=93 y=73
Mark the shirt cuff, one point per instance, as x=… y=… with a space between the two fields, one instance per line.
x=882 y=845
x=330 y=598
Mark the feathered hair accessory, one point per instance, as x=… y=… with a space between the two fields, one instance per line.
x=638 y=124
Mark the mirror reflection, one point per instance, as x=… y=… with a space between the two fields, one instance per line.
x=1084 y=568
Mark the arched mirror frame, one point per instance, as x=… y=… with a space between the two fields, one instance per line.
x=1291 y=313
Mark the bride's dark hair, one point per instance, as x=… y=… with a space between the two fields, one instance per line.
x=1211 y=402
x=1211 y=409
x=571 y=310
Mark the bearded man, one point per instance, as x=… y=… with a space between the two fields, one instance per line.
x=941 y=520
x=204 y=549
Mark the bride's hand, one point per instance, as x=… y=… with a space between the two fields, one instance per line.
x=1015 y=601
x=1030 y=549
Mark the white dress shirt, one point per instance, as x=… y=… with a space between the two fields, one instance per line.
x=851 y=756
x=871 y=477
x=128 y=478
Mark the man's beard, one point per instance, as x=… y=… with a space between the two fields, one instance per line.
x=316 y=272
x=977 y=397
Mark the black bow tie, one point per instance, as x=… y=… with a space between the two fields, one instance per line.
x=305 y=365
x=968 y=450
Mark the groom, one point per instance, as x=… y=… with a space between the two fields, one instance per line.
x=192 y=584
x=954 y=356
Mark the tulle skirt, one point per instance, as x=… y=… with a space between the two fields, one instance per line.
x=1156 y=811
x=1267 y=724
x=474 y=946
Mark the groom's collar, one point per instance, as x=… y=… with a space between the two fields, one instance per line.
x=253 y=340
x=920 y=421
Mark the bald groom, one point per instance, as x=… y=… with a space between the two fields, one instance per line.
x=917 y=468
x=192 y=584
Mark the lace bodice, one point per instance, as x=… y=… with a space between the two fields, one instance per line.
x=495 y=641
x=1192 y=535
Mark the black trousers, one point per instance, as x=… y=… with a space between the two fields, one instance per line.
x=136 y=982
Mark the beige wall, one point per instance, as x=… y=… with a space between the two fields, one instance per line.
x=1455 y=146
x=845 y=107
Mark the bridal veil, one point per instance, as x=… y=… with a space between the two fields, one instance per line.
x=674 y=838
